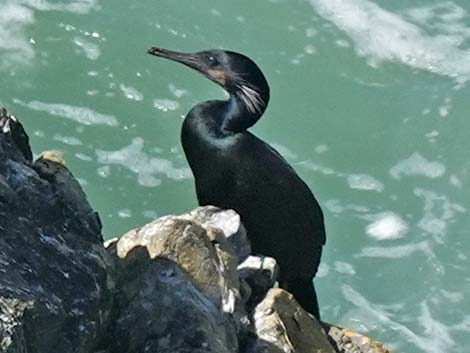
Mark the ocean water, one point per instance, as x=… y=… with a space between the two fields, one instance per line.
x=370 y=104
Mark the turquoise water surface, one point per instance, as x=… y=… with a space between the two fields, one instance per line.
x=370 y=104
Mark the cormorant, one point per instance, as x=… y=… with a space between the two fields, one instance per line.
x=234 y=169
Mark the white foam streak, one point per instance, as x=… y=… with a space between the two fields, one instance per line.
x=131 y=93
x=364 y=182
x=91 y=50
x=417 y=165
x=147 y=168
x=165 y=105
x=437 y=333
x=82 y=115
x=396 y=252
x=68 y=140
x=79 y=6
x=435 y=337
x=381 y=35
x=16 y=15
x=438 y=212
x=344 y=268
x=337 y=207
x=14 y=44
x=317 y=168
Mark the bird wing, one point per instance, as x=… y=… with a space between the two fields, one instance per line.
x=281 y=215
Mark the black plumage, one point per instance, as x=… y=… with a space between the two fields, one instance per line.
x=235 y=169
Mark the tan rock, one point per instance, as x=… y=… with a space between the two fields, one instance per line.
x=184 y=242
x=281 y=323
x=348 y=341
x=226 y=220
x=204 y=253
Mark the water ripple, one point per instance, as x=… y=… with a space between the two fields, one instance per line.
x=81 y=7
x=82 y=115
x=91 y=50
x=417 y=165
x=434 y=338
x=381 y=35
x=68 y=140
x=399 y=251
x=16 y=15
x=438 y=212
x=131 y=93
x=165 y=104
x=147 y=168
x=14 y=44
x=364 y=182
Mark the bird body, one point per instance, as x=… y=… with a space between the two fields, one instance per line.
x=234 y=169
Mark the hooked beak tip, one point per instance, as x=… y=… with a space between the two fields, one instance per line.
x=169 y=54
x=183 y=58
x=192 y=61
x=153 y=51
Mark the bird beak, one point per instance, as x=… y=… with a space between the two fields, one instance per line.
x=191 y=60
x=187 y=59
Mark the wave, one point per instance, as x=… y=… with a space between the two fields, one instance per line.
x=428 y=38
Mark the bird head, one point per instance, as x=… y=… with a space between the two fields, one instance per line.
x=234 y=72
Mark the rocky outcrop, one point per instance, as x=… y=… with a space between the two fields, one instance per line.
x=180 y=269
x=55 y=283
x=177 y=272
x=180 y=284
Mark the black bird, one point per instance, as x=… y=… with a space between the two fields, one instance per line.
x=234 y=169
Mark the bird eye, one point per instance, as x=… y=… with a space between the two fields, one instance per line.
x=212 y=60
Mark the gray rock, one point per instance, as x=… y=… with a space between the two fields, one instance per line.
x=55 y=290
x=164 y=312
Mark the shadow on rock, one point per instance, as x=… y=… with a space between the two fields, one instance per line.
x=55 y=288
x=161 y=310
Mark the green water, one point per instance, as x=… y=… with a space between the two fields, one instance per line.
x=369 y=103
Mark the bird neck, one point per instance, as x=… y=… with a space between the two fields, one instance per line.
x=216 y=119
x=216 y=125
x=242 y=110
x=235 y=116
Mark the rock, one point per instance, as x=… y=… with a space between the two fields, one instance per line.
x=204 y=264
x=283 y=326
x=228 y=235
x=203 y=254
x=260 y=273
x=14 y=137
x=55 y=288
x=347 y=341
x=166 y=313
x=11 y=333
x=228 y=221
x=69 y=196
